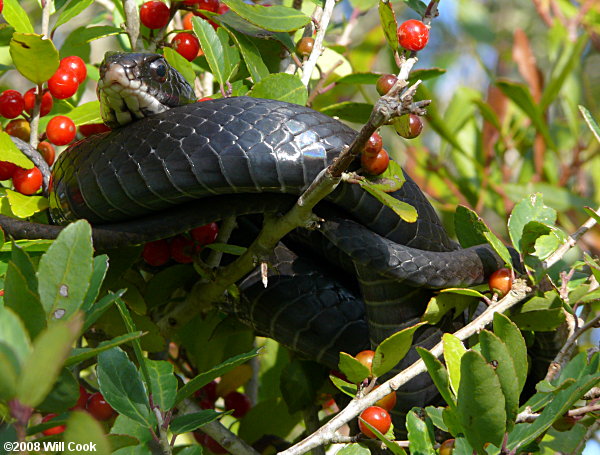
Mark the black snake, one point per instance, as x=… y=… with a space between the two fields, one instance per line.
x=197 y=162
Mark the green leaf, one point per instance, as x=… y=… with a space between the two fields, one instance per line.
x=299 y=382
x=243 y=26
x=9 y=372
x=420 y=435
x=526 y=433
x=85 y=431
x=354 y=370
x=510 y=334
x=80 y=354
x=14 y=335
x=425 y=74
x=404 y=210
x=17 y=17
x=390 y=180
x=469 y=227
x=213 y=49
x=251 y=55
x=35 y=56
x=100 y=307
x=25 y=206
x=86 y=113
x=204 y=378
x=181 y=64
x=393 y=349
x=359 y=78
x=539 y=313
x=521 y=96
x=531 y=208
x=350 y=111
x=163 y=383
x=442 y=303
x=273 y=18
x=497 y=354
x=480 y=402
x=65 y=270
x=88 y=34
x=226 y=248
x=453 y=352
x=72 y=9
x=122 y=387
x=191 y=422
x=99 y=268
x=20 y=293
x=591 y=123
x=439 y=375
x=63 y=395
x=44 y=363
x=388 y=23
x=437 y=417
x=567 y=62
x=344 y=386
x=499 y=248
x=282 y=87
x=9 y=152
x=416 y=5
x=354 y=449
x=231 y=54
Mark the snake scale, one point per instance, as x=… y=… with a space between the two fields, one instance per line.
x=192 y=163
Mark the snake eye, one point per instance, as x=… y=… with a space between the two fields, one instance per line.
x=159 y=70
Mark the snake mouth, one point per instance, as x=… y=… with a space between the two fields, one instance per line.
x=123 y=98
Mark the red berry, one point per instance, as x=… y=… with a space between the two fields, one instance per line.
x=376 y=417
x=53 y=430
x=182 y=249
x=375 y=165
x=186 y=44
x=413 y=35
x=366 y=358
x=373 y=145
x=385 y=83
x=20 y=128
x=305 y=46
x=408 y=126
x=76 y=65
x=83 y=399
x=11 y=104
x=187 y=21
x=60 y=130
x=156 y=253
x=388 y=402
x=98 y=407
x=206 y=5
x=154 y=14
x=29 y=99
x=1 y=5
x=223 y=8
x=206 y=98
x=501 y=281
x=208 y=442
x=63 y=84
x=7 y=170
x=209 y=392
x=93 y=128
x=239 y=402
x=47 y=151
x=27 y=181
x=205 y=235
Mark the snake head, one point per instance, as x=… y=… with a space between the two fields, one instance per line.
x=136 y=85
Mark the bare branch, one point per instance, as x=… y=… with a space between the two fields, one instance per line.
x=323 y=23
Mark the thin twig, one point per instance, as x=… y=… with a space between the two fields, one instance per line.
x=132 y=24
x=323 y=23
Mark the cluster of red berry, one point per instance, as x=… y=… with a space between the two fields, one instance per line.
x=234 y=401
x=59 y=131
x=180 y=248
x=374 y=159
x=93 y=403
x=156 y=15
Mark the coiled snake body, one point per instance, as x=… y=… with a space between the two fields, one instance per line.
x=244 y=155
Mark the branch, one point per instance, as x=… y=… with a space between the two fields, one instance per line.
x=310 y=64
x=132 y=24
x=327 y=433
